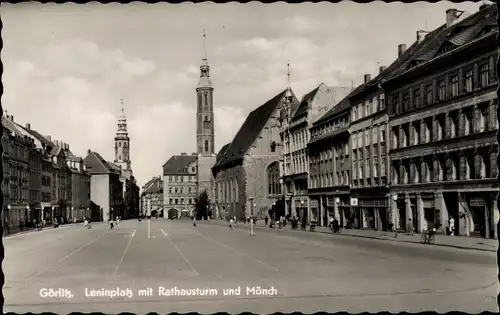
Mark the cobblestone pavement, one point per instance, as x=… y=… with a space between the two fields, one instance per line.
x=309 y=271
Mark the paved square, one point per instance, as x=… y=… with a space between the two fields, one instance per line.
x=182 y=268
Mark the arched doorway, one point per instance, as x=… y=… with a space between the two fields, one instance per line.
x=172 y=214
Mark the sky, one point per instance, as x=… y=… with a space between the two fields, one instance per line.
x=67 y=66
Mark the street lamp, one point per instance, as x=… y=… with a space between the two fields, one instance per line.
x=73 y=214
x=8 y=217
x=53 y=214
x=336 y=209
x=27 y=211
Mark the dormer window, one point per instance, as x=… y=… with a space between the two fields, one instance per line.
x=273 y=146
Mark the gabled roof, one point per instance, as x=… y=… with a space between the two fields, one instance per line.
x=221 y=152
x=304 y=103
x=38 y=136
x=457 y=35
x=249 y=131
x=178 y=164
x=96 y=164
x=12 y=126
x=343 y=105
x=155 y=186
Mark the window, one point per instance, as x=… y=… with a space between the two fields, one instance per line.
x=382 y=102
x=375 y=105
x=441 y=90
x=206 y=145
x=468 y=82
x=406 y=102
x=484 y=75
x=375 y=166
x=374 y=134
x=274 y=187
x=395 y=105
x=416 y=98
x=354 y=141
x=428 y=94
x=119 y=157
x=170 y=190
x=206 y=99
x=454 y=86
x=367 y=137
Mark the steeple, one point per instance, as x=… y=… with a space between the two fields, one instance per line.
x=204 y=81
x=288 y=94
x=205 y=133
x=122 y=142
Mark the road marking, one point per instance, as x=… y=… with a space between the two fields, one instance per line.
x=124 y=253
x=240 y=253
x=175 y=246
x=66 y=257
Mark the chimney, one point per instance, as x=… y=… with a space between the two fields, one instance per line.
x=368 y=77
x=382 y=68
x=28 y=126
x=12 y=118
x=451 y=17
x=6 y=114
x=183 y=154
x=49 y=138
x=89 y=151
x=401 y=49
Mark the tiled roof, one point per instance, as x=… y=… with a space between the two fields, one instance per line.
x=304 y=103
x=154 y=187
x=222 y=151
x=12 y=126
x=96 y=164
x=457 y=35
x=249 y=131
x=340 y=107
x=38 y=136
x=178 y=164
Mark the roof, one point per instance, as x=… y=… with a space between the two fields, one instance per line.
x=343 y=105
x=96 y=164
x=456 y=35
x=222 y=151
x=12 y=126
x=249 y=131
x=153 y=186
x=178 y=164
x=304 y=103
x=38 y=136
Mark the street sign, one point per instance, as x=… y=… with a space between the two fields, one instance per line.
x=354 y=202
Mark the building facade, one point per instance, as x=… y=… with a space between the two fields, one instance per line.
x=442 y=115
x=122 y=146
x=295 y=138
x=153 y=197
x=247 y=174
x=80 y=188
x=179 y=185
x=15 y=186
x=330 y=167
x=106 y=189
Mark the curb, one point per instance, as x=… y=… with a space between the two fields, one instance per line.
x=385 y=238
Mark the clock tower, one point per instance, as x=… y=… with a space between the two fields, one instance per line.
x=205 y=133
x=122 y=143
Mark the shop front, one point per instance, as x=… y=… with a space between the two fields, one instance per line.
x=314 y=205
x=476 y=215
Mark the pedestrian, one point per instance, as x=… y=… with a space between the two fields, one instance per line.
x=452 y=225
x=266 y=219
x=331 y=222
x=235 y=220
x=335 y=225
x=194 y=221
x=231 y=222
x=410 y=226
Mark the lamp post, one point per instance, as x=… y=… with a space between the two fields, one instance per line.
x=302 y=208
x=252 y=206
x=8 y=218
x=53 y=214
x=393 y=214
x=28 y=212
x=73 y=214
x=149 y=222
x=336 y=210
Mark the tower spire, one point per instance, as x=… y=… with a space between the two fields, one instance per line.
x=204 y=45
x=288 y=73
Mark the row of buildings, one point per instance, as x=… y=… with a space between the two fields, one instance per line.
x=417 y=141
x=44 y=180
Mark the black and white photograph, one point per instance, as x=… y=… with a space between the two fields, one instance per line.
x=262 y=158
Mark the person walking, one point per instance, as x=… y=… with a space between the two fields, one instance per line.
x=231 y=223
x=194 y=221
x=266 y=219
x=331 y=222
x=451 y=223
x=410 y=227
x=335 y=225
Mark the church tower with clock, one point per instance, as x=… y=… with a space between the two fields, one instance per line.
x=205 y=131
x=122 y=145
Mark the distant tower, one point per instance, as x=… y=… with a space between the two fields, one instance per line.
x=122 y=143
x=205 y=132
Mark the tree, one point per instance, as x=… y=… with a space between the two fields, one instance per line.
x=132 y=197
x=202 y=205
